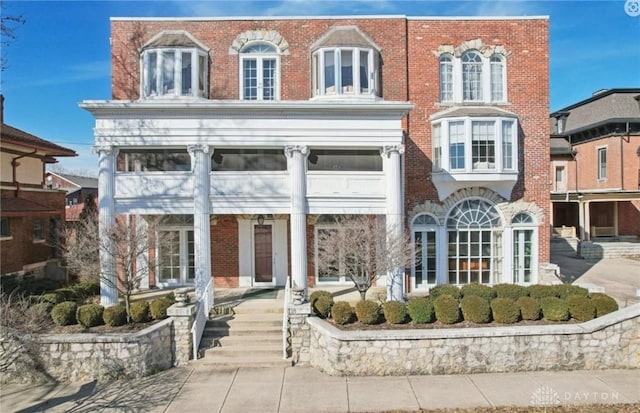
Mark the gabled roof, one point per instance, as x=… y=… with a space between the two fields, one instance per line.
x=344 y=36
x=79 y=181
x=19 y=137
x=174 y=38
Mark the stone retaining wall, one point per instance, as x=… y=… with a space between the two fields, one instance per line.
x=595 y=251
x=611 y=341
x=82 y=357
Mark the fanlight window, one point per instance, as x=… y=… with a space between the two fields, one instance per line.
x=473 y=213
x=259 y=72
x=523 y=218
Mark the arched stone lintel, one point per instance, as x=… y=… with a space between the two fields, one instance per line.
x=476 y=44
x=269 y=36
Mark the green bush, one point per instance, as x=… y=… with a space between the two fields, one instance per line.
x=53 y=298
x=87 y=288
x=29 y=285
x=67 y=294
x=171 y=298
x=158 y=308
x=443 y=289
x=395 y=312
x=139 y=312
x=322 y=306
x=554 y=309
x=90 y=315
x=479 y=290
x=581 y=308
x=421 y=310
x=513 y=291
x=541 y=291
x=64 y=313
x=604 y=304
x=317 y=294
x=368 y=312
x=115 y=316
x=529 y=308
x=566 y=290
x=475 y=309
x=342 y=313
x=505 y=310
x=447 y=309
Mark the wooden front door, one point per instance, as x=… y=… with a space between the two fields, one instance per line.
x=263 y=253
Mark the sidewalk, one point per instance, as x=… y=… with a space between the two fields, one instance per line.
x=298 y=389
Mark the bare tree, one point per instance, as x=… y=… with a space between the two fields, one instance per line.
x=362 y=248
x=8 y=26
x=126 y=242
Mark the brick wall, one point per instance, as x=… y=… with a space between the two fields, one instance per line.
x=224 y=251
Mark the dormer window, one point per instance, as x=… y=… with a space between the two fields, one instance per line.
x=259 y=77
x=345 y=62
x=174 y=64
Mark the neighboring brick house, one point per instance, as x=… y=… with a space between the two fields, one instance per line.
x=595 y=162
x=250 y=134
x=77 y=187
x=32 y=215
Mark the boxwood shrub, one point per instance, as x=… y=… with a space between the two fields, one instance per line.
x=475 y=309
x=87 y=288
x=90 y=315
x=52 y=297
x=541 y=291
x=321 y=302
x=479 y=290
x=442 y=289
x=67 y=294
x=554 y=309
x=115 y=316
x=566 y=290
x=342 y=313
x=513 y=291
x=158 y=308
x=447 y=309
x=581 y=308
x=395 y=312
x=64 y=313
x=529 y=308
x=368 y=312
x=505 y=310
x=421 y=310
x=604 y=304
x=139 y=312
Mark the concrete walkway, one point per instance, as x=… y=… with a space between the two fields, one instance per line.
x=299 y=389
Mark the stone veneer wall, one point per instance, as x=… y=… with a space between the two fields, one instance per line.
x=611 y=341
x=82 y=357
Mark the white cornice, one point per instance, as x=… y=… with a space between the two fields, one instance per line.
x=363 y=17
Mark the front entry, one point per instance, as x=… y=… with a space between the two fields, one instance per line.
x=263 y=254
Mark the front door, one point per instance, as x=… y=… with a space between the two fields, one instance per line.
x=263 y=253
x=176 y=261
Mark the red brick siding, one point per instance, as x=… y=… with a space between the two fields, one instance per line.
x=629 y=218
x=224 y=251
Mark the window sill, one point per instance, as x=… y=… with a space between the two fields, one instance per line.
x=39 y=241
x=448 y=182
x=9 y=238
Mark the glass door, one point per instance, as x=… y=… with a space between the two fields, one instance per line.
x=176 y=259
x=263 y=253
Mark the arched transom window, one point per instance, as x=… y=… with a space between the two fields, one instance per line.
x=424 y=236
x=259 y=72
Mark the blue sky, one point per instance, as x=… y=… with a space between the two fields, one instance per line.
x=61 y=54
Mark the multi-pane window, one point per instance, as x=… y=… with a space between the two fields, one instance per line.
x=472 y=76
x=38 y=229
x=483 y=145
x=5 y=227
x=344 y=160
x=602 y=163
x=176 y=256
x=456 y=145
x=153 y=160
x=507 y=144
x=170 y=72
x=259 y=72
x=345 y=71
x=437 y=148
x=446 y=78
x=523 y=248
x=497 y=78
x=248 y=160
x=424 y=232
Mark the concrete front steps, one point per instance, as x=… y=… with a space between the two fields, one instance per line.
x=250 y=337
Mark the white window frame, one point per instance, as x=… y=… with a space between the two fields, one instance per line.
x=486 y=81
x=196 y=55
x=517 y=229
x=318 y=72
x=447 y=79
x=602 y=166
x=434 y=229
x=260 y=58
x=184 y=256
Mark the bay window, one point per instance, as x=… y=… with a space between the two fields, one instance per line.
x=345 y=71
x=174 y=72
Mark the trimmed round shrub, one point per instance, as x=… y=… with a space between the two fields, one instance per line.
x=447 y=309
x=87 y=288
x=566 y=290
x=581 y=308
x=64 y=313
x=67 y=294
x=554 y=309
x=322 y=306
x=139 y=312
x=395 y=312
x=505 y=310
x=158 y=308
x=342 y=313
x=421 y=310
x=90 y=315
x=475 y=309
x=317 y=294
x=529 y=308
x=115 y=315
x=53 y=298
x=604 y=303
x=443 y=289
x=513 y=291
x=541 y=291
x=368 y=312
x=171 y=298
x=479 y=290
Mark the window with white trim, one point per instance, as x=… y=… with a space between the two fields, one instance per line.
x=174 y=72
x=472 y=77
x=437 y=148
x=259 y=72
x=424 y=237
x=248 y=159
x=602 y=163
x=176 y=256
x=524 y=242
x=346 y=71
x=153 y=160
x=446 y=78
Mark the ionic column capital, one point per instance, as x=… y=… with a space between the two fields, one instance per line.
x=291 y=149
x=199 y=147
x=106 y=150
x=387 y=150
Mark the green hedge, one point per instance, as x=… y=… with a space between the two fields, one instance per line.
x=443 y=289
x=321 y=303
x=505 y=310
x=90 y=315
x=513 y=291
x=368 y=312
x=447 y=309
x=158 y=308
x=479 y=290
x=541 y=291
x=64 y=313
x=529 y=308
x=342 y=313
x=475 y=309
x=115 y=316
x=421 y=310
x=139 y=312
x=581 y=308
x=566 y=290
x=554 y=309
x=395 y=312
x=604 y=304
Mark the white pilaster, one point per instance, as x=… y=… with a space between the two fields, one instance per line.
x=106 y=220
x=297 y=159
x=395 y=213
x=201 y=167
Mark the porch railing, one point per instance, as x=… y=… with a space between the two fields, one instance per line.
x=203 y=307
x=285 y=320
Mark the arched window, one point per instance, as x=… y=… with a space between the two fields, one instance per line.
x=497 y=78
x=474 y=242
x=524 y=254
x=259 y=73
x=424 y=234
x=446 y=78
x=472 y=76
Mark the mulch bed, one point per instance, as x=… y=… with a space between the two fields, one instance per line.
x=358 y=326
x=78 y=329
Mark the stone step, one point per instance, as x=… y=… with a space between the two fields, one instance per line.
x=222 y=348
x=244 y=360
x=255 y=340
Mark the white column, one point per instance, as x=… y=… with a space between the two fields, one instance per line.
x=395 y=214
x=582 y=232
x=297 y=159
x=201 y=167
x=106 y=219
x=587 y=220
